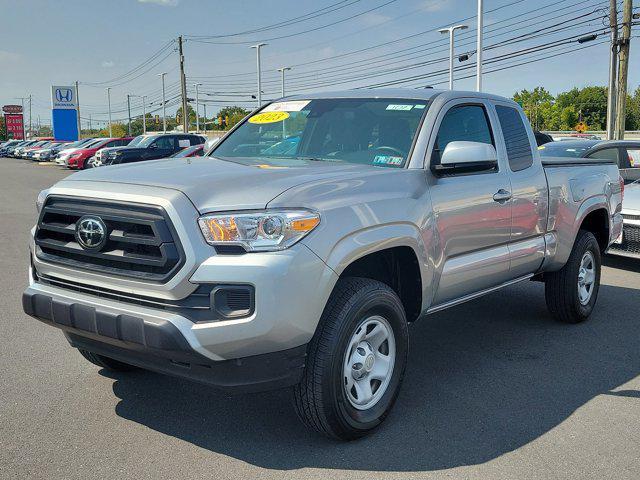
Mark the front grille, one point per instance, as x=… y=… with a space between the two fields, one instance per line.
x=630 y=240
x=628 y=216
x=141 y=241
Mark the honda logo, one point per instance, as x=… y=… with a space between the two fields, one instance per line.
x=64 y=95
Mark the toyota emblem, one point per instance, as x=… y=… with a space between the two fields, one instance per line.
x=91 y=233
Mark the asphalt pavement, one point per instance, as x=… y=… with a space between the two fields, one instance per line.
x=495 y=389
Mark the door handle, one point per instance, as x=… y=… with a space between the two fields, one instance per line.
x=502 y=196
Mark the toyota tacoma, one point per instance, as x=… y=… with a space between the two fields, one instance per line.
x=299 y=250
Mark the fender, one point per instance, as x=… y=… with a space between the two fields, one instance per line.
x=381 y=237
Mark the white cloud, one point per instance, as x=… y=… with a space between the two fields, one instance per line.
x=374 y=18
x=164 y=3
x=7 y=58
x=107 y=64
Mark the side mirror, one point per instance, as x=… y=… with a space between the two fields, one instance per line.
x=153 y=145
x=467 y=157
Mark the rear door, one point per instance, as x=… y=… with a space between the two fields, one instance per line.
x=529 y=191
x=163 y=146
x=473 y=229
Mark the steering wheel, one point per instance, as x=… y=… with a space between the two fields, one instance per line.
x=392 y=149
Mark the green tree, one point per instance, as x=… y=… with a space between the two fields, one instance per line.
x=589 y=102
x=3 y=130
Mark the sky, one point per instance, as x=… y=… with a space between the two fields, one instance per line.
x=334 y=46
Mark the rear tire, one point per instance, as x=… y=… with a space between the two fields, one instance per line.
x=356 y=361
x=572 y=291
x=106 y=362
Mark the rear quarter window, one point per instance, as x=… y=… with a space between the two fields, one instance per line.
x=515 y=138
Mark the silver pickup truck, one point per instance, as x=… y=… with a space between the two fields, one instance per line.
x=299 y=250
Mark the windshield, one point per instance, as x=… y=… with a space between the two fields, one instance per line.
x=135 y=141
x=145 y=141
x=368 y=131
x=565 y=149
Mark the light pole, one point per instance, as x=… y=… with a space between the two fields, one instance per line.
x=451 y=31
x=282 y=70
x=164 y=107
x=144 y=115
x=129 y=111
x=479 y=48
x=257 y=47
x=109 y=107
x=197 y=108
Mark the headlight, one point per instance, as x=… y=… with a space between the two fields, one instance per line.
x=42 y=196
x=267 y=230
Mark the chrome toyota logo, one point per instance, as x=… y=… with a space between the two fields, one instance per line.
x=91 y=233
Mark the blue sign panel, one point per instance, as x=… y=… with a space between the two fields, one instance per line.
x=65 y=124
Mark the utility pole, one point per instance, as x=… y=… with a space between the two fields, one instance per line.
x=451 y=32
x=129 y=111
x=282 y=70
x=144 y=115
x=613 y=69
x=205 y=117
x=78 y=110
x=479 y=47
x=257 y=47
x=183 y=88
x=623 y=69
x=30 y=126
x=164 y=105
x=109 y=105
x=90 y=125
x=197 y=107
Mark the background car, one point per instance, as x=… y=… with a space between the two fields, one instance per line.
x=193 y=151
x=626 y=153
x=65 y=153
x=7 y=145
x=45 y=154
x=22 y=151
x=155 y=146
x=77 y=159
x=102 y=155
x=542 y=138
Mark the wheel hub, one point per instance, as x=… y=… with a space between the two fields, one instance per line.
x=369 y=362
x=586 y=278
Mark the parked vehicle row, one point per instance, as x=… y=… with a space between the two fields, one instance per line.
x=97 y=152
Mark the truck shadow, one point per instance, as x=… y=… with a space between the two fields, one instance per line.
x=484 y=378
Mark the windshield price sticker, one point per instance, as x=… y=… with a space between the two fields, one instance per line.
x=387 y=160
x=269 y=117
x=292 y=106
x=399 y=107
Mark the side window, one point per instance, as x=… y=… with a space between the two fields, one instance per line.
x=606 y=154
x=195 y=140
x=515 y=138
x=165 y=141
x=183 y=141
x=634 y=157
x=462 y=123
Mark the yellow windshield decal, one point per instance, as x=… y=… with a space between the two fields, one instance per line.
x=269 y=117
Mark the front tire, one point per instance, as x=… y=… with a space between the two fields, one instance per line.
x=106 y=362
x=356 y=361
x=571 y=292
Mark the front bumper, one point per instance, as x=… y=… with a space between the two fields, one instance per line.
x=159 y=345
x=629 y=245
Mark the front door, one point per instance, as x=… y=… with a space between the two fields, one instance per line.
x=472 y=211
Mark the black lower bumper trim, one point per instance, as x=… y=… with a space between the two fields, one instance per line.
x=160 y=347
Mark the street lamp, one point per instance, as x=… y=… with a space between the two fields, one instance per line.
x=164 y=105
x=257 y=47
x=451 y=31
x=282 y=70
x=197 y=108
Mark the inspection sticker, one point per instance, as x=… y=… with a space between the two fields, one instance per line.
x=292 y=106
x=393 y=106
x=269 y=117
x=387 y=160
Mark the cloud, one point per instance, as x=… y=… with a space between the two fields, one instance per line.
x=374 y=18
x=164 y=3
x=9 y=57
x=107 y=64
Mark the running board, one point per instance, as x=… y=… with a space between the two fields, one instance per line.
x=472 y=296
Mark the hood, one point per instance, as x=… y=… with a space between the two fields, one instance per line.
x=631 y=197
x=217 y=185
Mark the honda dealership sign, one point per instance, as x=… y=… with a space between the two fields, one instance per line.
x=64 y=104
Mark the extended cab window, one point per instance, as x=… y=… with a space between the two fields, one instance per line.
x=165 y=142
x=515 y=138
x=634 y=157
x=467 y=123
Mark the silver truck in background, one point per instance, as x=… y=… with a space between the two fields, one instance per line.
x=299 y=250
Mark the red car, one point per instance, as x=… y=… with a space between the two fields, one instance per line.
x=77 y=160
